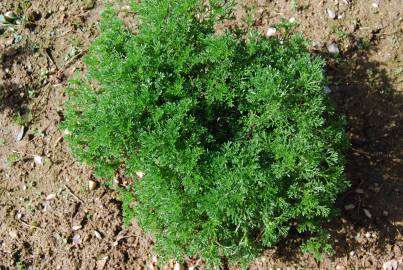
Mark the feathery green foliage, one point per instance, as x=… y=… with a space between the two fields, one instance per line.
x=234 y=133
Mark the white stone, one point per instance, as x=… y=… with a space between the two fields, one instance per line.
x=140 y=174
x=76 y=239
x=333 y=48
x=331 y=14
x=271 y=31
x=20 y=134
x=97 y=234
x=51 y=197
x=13 y=234
x=38 y=160
x=179 y=266
x=92 y=185
x=391 y=265
x=76 y=227
x=102 y=262
x=367 y=213
x=66 y=132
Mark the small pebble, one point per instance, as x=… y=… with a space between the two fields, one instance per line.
x=97 y=234
x=92 y=185
x=331 y=14
x=179 y=266
x=367 y=213
x=46 y=206
x=385 y=213
x=66 y=132
x=271 y=31
x=327 y=90
x=102 y=262
x=391 y=265
x=76 y=228
x=51 y=197
x=13 y=234
x=333 y=48
x=317 y=44
x=292 y=20
x=2 y=19
x=375 y=5
x=10 y=16
x=126 y=8
x=359 y=191
x=38 y=160
x=61 y=18
x=140 y=174
x=10 y=41
x=76 y=239
x=349 y=206
x=20 y=133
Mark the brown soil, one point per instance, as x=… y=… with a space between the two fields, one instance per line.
x=38 y=57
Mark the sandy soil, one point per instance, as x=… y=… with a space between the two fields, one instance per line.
x=50 y=219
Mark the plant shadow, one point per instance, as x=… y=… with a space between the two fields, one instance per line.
x=371 y=209
x=14 y=98
x=365 y=94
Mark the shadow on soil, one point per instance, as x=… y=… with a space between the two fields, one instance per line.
x=13 y=98
x=363 y=92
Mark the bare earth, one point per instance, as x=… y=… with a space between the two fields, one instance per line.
x=49 y=219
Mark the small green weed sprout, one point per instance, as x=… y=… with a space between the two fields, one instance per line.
x=23 y=119
x=236 y=138
x=12 y=158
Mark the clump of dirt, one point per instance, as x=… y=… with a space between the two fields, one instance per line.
x=50 y=219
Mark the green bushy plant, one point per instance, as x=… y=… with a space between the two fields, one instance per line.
x=236 y=138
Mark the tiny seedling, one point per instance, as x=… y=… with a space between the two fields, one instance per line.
x=75 y=41
x=23 y=6
x=32 y=93
x=342 y=34
x=23 y=119
x=17 y=38
x=33 y=47
x=364 y=44
x=72 y=53
x=38 y=133
x=88 y=4
x=21 y=266
x=13 y=158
